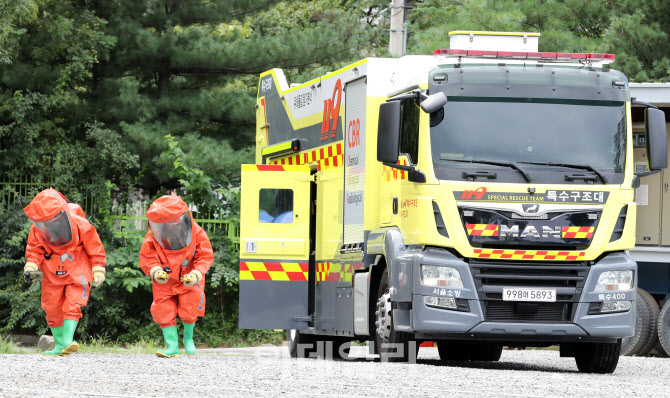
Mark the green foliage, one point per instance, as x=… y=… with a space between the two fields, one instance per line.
x=20 y=307
x=12 y=13
x=123 y=260
x=108 y=101
x=637 y=32
x=197 y=185
x=8 y=346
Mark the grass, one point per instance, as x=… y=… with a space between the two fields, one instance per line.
x=8 y=346
x=103 y=345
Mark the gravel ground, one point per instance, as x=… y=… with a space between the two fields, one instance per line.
x=269 y=372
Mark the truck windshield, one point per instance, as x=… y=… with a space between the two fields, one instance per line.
x=567 y=129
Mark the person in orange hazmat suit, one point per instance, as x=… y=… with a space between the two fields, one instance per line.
x=65 y=252
x=177 y=254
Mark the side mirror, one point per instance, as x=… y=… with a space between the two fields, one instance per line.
x=434 y=102
x=388 y=132
x=657 y=140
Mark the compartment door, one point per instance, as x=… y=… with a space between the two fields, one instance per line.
x=274 y=246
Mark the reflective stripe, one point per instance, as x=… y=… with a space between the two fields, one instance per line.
x=577 y=232
x=326 y=157
x=530 y=254
x=83 y=284
x=482 y=229
x=273 y=271
x=202 y=297
x=391 y=174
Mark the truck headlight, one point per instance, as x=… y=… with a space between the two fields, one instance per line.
x=615 y=306
x=444 y=302
x=432 y=275
x=614 y=281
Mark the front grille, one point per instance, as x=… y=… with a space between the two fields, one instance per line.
x=536 y=274
x=491 y=276
x=507 y=311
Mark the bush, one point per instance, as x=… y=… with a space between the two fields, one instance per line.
x=119 y=308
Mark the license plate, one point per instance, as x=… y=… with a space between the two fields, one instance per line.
x=528 y=294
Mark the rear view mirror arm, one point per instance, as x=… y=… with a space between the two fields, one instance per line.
x=413 y=174
x=634 y=101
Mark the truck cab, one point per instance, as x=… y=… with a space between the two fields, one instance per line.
x=480 y=197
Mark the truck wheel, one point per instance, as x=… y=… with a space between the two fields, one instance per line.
x=660 y=352
x=652 y=336
x=597 y=357
x=393 y=346
x=631 y=345
x=295 y=339
x=664 y=328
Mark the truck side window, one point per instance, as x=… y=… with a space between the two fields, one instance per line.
x=409 y=139
x=275 y=206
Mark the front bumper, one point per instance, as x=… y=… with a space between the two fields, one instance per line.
x=567 y=320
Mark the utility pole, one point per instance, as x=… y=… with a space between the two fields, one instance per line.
x=397 y=28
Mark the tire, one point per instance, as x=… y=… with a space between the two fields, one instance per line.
x=455 y=351
x=660 y=352
x=385 y=333
x=652 y=336
x=295 y=338
x=664 y=328
x=632 y=345
x=597 y=357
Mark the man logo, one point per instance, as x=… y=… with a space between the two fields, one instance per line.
x=530 y=208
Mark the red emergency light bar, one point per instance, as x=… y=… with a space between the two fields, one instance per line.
x=526 y=55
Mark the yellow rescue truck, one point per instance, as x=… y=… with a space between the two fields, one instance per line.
x=478 y=197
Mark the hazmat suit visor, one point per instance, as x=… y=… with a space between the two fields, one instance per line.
x=175 y=234
x=57 y=231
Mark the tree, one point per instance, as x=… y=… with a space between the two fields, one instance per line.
x=635 y=31
x=13 y=12
x=93 y=89
x=190 y=69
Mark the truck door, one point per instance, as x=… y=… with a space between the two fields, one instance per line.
x=274 y=246
x=648 y=196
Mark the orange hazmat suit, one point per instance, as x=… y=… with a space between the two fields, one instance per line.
x=177 y=244
x=68 y=251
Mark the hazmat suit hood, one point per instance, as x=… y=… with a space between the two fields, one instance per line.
x=171 y=223
x=76 y=210
x=50 y=215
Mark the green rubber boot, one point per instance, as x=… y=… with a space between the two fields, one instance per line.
x=58 y=339
x=188 y=338
x=172 y=340
x=71 y=346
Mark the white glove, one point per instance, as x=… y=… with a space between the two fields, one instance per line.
x=31 y=272
x=31 y=267
x=159 y=275
x=98 y=275
x=191 y=278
